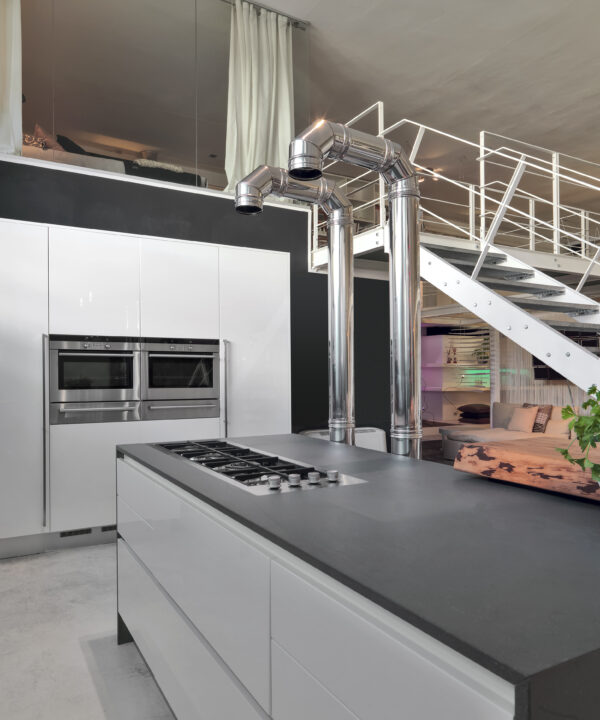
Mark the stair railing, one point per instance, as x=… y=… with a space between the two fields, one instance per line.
x=532 y=228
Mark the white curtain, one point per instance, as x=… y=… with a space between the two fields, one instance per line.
x=260 y=106
x=11 y=133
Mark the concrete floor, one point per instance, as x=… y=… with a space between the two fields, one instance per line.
x=59 y=658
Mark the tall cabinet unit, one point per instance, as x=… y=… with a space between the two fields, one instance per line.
x=94 y=283
x=179 y=289
x=255 y=327
x=24 y=302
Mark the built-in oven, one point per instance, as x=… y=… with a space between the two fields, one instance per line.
x=180 y=378
x=93 y=379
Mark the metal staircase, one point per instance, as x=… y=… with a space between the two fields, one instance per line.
x=497 y=240
x=529 y=307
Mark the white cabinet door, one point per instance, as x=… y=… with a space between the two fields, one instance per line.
x=179 y=289
x=377 y=673
x=24 y=307
x=299 y=696
x=94 y=283
x=82 y=465
x=195 y=682
x=220 y=581
x=255 y=320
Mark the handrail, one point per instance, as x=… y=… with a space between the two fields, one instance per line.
x=577 y=226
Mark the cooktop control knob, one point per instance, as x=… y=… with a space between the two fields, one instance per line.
x=314 y=478
x=274 y=482
x=294 y=480
x=333 y=476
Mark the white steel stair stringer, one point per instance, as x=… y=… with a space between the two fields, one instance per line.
x=571 y=360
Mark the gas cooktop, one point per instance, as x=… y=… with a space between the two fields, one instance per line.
x=255 y=471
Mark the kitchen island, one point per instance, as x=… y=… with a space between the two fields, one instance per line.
x=422 y=593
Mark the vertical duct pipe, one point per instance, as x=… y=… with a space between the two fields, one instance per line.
x=249 y=198
x=308 y=151
x=340 y=294
x=405 y=318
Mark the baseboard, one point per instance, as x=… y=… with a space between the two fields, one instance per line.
x=46 y=542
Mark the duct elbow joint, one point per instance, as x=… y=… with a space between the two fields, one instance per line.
x=250 y=192
x=309 y=149
x=305 y=160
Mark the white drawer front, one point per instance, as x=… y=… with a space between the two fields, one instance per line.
x=374 y=674
x=220 y=581
x=192 y=678
x=298 y=696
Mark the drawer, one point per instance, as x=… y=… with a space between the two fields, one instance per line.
x=193 y=679
x=376 y=674
x=220 y=581
x=298 y=696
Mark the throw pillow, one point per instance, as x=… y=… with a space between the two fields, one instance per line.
x=542 y=417
x=522 y=419
x=501 y=414
x=557 y=427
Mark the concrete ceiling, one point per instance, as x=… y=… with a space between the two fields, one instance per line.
x=527 y=70
x=524 y=69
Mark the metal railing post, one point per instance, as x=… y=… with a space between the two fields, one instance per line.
x=482 y=186
x=472 y=221
x=499 y=216
x=417 y=144
x=381 y=185
x=585 y=231
x=586 y=274
x=555 y=203
x=531 y=224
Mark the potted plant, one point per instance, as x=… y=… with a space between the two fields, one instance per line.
x=586 y=430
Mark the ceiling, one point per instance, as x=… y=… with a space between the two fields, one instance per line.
x=524 y=69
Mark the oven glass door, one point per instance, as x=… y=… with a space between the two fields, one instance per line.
x=181 y=376
x=91 y=376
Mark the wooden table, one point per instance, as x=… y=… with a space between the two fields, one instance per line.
x=531 y=462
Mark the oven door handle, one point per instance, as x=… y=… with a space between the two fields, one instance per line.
x=180 y=407
x=84 y=353
x=189 y=356
x=118 y=408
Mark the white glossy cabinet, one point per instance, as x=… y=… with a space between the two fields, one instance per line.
x=377 y=672
x=220 y=581
x=196 y=684
x=82 y=465
x=179 y=289
x=94 y=283
x=299 y=696
x=24 y=321
x=255 y=321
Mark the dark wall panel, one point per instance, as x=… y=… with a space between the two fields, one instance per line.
x=69 y=198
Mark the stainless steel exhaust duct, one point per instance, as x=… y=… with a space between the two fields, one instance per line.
x=308 y=152
x=249 y=197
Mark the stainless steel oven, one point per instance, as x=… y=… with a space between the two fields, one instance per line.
x=180 y=378
x=93 y=379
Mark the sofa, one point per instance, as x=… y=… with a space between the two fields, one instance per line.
x=455 y=436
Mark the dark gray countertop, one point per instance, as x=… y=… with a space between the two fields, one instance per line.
x=507 y=576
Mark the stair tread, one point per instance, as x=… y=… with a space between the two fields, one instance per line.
x=557 y=306
x=464 y=253
x=494 y=269
x=518 y=286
